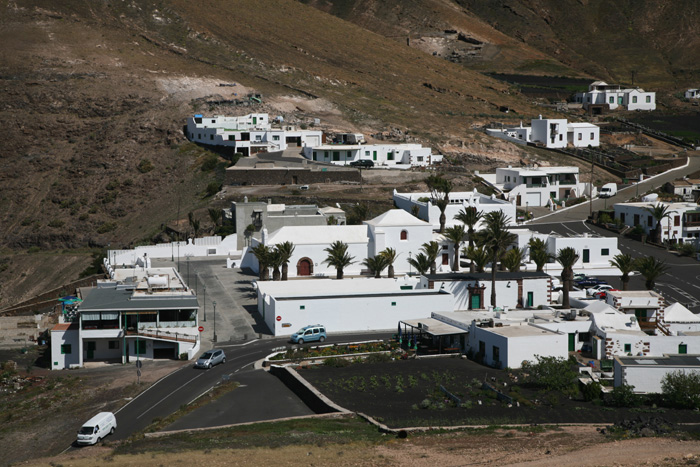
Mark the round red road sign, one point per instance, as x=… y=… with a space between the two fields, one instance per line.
x=279 y=318
x=201 y=328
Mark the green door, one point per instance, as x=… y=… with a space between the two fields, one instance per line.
x=572 y=342
x=530 y=299
x=255 y=120
x=476 y=302
x=91 y=346
x=683 y=348
x=619 y=100
x=374 y=155
x=586 y=256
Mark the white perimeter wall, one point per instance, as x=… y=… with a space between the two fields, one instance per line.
x=644 y=378
x=349 y=313
x=506 y=296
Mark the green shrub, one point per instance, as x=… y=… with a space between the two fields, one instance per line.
x=33 y=249
x=591 y=391
x=336 y=362
x=681 y=389
x=56 y=223
x=106 y=227
x=113 y=185
x=377 y=357
x=145 y=166
x=209 y=163
x=687 y=249
x=183 y=356
x=212 y=188
x=624 y=396
x=551 y=373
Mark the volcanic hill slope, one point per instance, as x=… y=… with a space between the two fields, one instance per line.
x=95 y=95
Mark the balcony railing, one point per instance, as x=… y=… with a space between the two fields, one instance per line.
x=157 y=334
x=536 y=185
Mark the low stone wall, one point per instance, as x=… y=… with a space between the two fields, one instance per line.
x=289 y=176
x=307 y=393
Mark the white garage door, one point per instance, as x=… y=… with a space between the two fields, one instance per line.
x=534 y=199
x=313 y=141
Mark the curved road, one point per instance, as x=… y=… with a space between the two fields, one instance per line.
x=261 y=396
x=581 y=211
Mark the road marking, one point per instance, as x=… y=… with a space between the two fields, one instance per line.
x=173 y=392
x=240 y=345
x=150 y=387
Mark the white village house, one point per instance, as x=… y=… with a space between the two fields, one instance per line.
x=430 y=213
x=692 y=93
x=249 y=134
x=682 y=225
x=142 y=313
x=613 y=96
x=552 y=133
x=538 y=186
x=394 y=229
x=385 y=155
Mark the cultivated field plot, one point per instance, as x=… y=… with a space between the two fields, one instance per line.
x=681 y=126
x=407 y=393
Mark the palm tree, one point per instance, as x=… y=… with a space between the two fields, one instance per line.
x=376 y=265
x=286 y=249
x=262 y=254
x=440 y=189
x=215 y=216
x=651 y=268
x=455 y=235
x=540 y=258
x=338 y=257
x=567 y=257
x=358 y=213
x=497 y=239
x=196 y=227
x=276 y=262
x=513 y=259
x=479 y=257
x=390 y=255
x=432 y=251
x=469 y=217
x=659 y=212
x=421 y=262
x=626 y=264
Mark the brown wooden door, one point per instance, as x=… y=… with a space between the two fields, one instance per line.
x=304 y=268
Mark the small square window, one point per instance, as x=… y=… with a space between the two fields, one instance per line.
x=66 y=348
x=648 y=99
x=605 y=252
x=628 y=348
x=113 y=344
x=302 y=307
x=393 y=303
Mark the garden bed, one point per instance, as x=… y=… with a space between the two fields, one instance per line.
x=406 y=393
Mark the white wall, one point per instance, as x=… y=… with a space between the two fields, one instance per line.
x=644 y=378
x=542 y=131
x=387 y=155
x=594 y=245
x=199 y=247
x=514 y=350
x=349 y=313
x=61 y=361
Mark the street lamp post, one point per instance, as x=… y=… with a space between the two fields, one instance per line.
x=205 y=302
x=214 y=302
x=409 y=263
x=188 y=271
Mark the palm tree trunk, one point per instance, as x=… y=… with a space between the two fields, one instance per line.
x=391 y=271
x=443 y=221
x=285 y=271
x=625 y=280
x=433 y=268
x=276 y=274
x=455 y=263
x=493 y=280
x=339 y=273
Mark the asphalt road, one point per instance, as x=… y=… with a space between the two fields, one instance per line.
x=680 y=284
x=261 y=398
x=582 y=211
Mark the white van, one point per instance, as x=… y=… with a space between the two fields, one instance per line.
x=99 y=426
x=608 y=190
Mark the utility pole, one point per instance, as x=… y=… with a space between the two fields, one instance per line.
x=178 y=234
x=214 y=321
x=205 y=302
x=590 y=192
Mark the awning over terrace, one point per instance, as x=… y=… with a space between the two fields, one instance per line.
x=430 y=336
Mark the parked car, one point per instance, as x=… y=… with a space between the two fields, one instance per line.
x=603 y=294
x=589 y=282
x=366 y=163
x=99 y=426
x=608 y=190
x=210 y=358
x=580 y=276
x=311 y=333
x=598 y=288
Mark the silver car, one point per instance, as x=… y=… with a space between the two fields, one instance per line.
x=210 y=358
